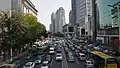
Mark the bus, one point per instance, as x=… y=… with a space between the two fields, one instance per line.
x=102 y=60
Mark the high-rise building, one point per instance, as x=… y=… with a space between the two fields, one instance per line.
x=53 y=17
x=70 y=18
x=59 y=20
x=23 y=6
x=109 y=21
x=83 y=12
x=73 y=12
x=108 y=15
x=51 y=28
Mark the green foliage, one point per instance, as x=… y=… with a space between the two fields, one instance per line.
x=11 y=30
x=35 y=28
x=17 y=30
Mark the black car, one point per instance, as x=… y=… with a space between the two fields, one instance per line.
x=48 y=58
x=84 y=51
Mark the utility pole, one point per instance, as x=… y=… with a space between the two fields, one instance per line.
x=117 y=6
x=94 y=29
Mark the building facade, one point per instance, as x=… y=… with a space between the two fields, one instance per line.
x=108 y=15
x=23 y=6
x=109 y=21
x=83 y=13
x=53 y=17
x=70 y=18
x=50 y=27
x=29 y=8
x=59 y=20
x=73 y=2
x=68 y=29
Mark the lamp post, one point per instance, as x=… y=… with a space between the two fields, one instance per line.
x=118 y=10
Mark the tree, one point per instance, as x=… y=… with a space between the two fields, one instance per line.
x=34 y=28
x=11 y=29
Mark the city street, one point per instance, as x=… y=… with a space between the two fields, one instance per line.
x=56 y=64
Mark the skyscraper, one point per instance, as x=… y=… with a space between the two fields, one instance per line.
x=53 y=17
x=73 y=12
x=70 y=18
x=59 y=20
x=82 y=9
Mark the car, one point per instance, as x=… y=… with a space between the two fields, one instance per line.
x=81 y=56
x=58 y=56
x=17 y=64
x=96 y=47
x=89 y=64
x=66 y=51
x=71 y=59
x=70 y=53
x=77 y=51
x=48 y=58
x=79 y=48
x=84 y=51
x=29 y=65
x=58 y=51
x=72 y=48
x=90 y=45
x=66 y=48
x=45 y=64
x=51 y=51
x=39 y=57
x=38 y=61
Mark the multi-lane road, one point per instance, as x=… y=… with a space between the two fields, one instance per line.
x=57 y=64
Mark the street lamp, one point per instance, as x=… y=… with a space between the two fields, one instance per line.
x=118 y=9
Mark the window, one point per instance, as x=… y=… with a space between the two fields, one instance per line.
x=88 y=3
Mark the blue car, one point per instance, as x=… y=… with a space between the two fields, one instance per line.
x=38 y=61
x=39 y=57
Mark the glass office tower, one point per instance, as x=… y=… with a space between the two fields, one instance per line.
x=107 y=15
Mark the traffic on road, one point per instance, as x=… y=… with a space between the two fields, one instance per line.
x=65 y=53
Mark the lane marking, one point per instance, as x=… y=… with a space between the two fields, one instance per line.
x=62 y=64
x=52 y=62
x=76 y=61
x=65 y=60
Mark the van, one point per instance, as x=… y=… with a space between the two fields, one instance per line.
x=81 y=56
x=51 y=51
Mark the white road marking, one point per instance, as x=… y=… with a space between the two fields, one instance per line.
x=51 y=62
x=77 y=61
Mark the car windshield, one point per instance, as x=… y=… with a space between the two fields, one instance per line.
x=28 y=65
x=44 y=64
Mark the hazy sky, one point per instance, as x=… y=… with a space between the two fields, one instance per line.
x=46 y=7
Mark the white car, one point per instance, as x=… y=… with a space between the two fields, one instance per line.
x=29 y=65
x=51 y=51
x=97 y=48
x=45 y=64
x=89 y=64
x=81 y=56
x=58 y=56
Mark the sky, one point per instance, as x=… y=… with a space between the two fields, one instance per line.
x=46 y=7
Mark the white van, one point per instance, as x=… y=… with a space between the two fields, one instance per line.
x=82 y=56
x=51 y=51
